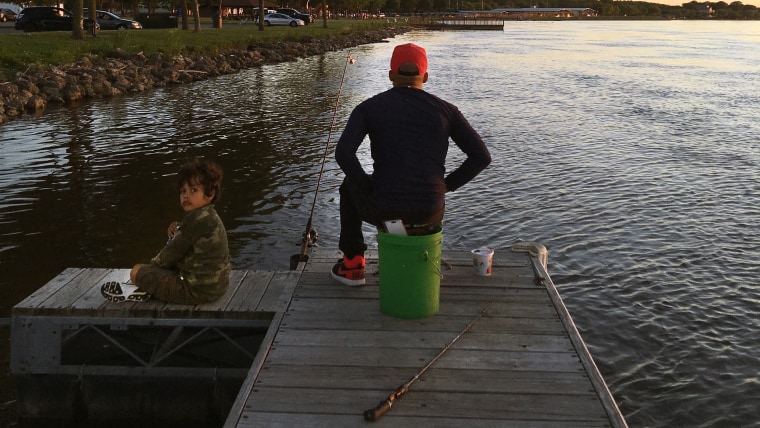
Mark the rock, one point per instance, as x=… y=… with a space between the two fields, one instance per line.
x=36 y=104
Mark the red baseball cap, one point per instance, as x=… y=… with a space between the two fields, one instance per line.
x=409 y=53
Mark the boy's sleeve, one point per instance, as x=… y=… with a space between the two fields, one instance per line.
x=174 y=250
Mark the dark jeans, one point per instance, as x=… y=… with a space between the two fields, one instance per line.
x=356 y=207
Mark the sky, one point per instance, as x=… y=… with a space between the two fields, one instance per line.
x=680 y=2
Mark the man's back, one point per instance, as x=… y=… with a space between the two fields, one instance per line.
x=409 y=132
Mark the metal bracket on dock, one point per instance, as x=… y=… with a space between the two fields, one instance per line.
x=538 y=254
x=54 y=345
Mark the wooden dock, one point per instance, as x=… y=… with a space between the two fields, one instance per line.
x=297 y=349
x=332 y=354
x=78 y=357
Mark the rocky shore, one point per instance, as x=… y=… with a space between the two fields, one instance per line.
x=124 y=72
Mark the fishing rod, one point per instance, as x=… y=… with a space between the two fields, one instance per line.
x=385 y=405
x=310 y=235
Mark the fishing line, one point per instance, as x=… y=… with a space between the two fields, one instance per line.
x=310 y=235
x=385 y=405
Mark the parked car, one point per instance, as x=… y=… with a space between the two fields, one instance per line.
x=7 y=15
x=305 y=17
x=282 y=19
x=266 y=11
x=48 y=18
x=109 y=21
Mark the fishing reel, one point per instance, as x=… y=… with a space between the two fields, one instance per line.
x=311 y=238
x=307 y=240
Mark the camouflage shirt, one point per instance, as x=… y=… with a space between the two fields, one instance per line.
x=200 y=253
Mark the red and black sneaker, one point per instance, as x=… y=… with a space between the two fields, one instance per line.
x=349 y=271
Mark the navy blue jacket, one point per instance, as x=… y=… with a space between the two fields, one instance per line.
x=409 y=131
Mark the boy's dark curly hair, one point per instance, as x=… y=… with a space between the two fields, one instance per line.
x=205 y=172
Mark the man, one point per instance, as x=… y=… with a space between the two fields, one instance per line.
x=409 y=131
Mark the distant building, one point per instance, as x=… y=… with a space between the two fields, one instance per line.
x=548 y=12
x=236 y=9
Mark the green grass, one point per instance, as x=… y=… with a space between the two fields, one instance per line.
x=21 y=51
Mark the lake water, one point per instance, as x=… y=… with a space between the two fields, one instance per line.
x=629 y=149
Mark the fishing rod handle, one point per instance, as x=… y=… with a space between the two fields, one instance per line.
x=377 y=412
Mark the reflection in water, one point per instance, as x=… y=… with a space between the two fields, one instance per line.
x=93 y=185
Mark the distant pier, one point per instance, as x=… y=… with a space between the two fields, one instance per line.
x=454 y=23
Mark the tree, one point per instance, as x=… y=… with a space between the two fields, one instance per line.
x=77 y=19
x=185 y=24
x=92 y=12
x=720 y=5
x=407 y=6
x=653 y=10
x=609 y=9
x=196 y=17
x=423 y=6
x=216 y=16
x=261 y=15
x=391 y=6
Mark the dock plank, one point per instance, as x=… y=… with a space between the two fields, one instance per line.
x=449 y=306
x=426 y=339
x=43 y=294
x=61 y=290
x=436 y=379
x=434 y=405
x=288 y=420
x=278 y=294
x=412 y=357
x=251 y=291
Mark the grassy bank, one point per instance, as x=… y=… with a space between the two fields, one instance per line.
x=20 y=51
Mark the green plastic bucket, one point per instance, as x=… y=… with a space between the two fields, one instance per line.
x=410 y=274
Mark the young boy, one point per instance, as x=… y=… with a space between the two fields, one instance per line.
x=194 y=266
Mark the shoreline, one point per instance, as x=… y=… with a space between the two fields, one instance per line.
x=123 y=72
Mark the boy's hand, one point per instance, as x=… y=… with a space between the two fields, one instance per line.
x=172 y=229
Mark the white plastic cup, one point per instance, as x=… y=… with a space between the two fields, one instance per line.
x=482 y=261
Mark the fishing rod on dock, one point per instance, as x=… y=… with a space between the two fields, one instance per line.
x=385 y=405
x=310 y=235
